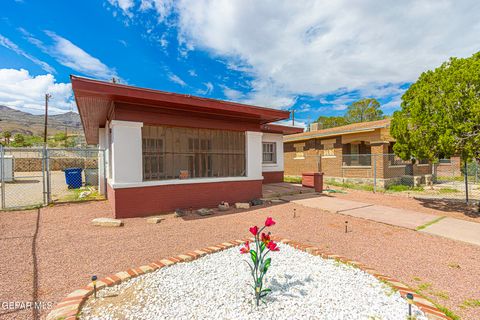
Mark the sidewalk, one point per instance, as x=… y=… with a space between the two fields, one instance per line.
x=451 y=228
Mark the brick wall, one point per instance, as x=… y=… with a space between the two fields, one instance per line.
x=452 y=169
x=146 y=201
x=272 y=176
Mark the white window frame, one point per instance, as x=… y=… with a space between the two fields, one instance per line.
x=272 y=152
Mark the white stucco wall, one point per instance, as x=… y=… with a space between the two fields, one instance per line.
x=102 y=159
x=254 y=154
x=278 y=139
x=126 y=152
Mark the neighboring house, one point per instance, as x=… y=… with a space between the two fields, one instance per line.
x=166 y=151
x=358 y=152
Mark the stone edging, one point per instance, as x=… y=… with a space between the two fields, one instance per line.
x=70 y=306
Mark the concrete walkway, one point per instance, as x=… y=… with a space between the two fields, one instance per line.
x=456 y=229
x=451 y=228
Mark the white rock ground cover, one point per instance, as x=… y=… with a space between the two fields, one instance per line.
x=218 y=286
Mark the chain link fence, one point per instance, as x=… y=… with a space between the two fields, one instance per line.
x=388 y=173
x=40 y=176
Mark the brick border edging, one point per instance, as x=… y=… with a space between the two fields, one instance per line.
x=70 y=306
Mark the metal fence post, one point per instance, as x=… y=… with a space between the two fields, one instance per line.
x=2 y=163
x=44 y=180
x=466 y=181
x=47 y=173
x=374 y=173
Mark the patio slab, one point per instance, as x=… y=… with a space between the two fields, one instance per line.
x=276 y=190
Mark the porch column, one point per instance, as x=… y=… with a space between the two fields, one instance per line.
x=378 y=150
x=254 y=154
x=126 y=149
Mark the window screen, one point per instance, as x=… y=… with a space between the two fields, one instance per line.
x=184 y=153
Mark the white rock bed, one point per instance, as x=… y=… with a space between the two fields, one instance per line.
x=217 y=286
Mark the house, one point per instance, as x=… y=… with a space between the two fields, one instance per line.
x=357 y=153
x=166 y=150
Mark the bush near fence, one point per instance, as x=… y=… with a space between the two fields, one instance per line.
x=56 y=164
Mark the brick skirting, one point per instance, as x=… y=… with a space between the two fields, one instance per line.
x=70 y=306
x=272 y=176
x=150 y=200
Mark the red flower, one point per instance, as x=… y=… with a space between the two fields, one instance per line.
x=245 y=249
x=254 y=230
x=272 y=246
x=269 y=222
x=265 y=238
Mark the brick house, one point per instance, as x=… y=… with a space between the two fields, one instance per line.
x=358 y=152
x=166 y=150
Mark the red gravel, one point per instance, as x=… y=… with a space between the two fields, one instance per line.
x=443 y=207
x=69 y=250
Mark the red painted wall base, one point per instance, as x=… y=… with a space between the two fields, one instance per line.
x=272 y=177
x=147 y=201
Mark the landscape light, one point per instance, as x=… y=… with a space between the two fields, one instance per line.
x=94 y=280
x=410 y=301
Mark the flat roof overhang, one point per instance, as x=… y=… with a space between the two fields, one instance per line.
x=95 y=100
x=276 y=128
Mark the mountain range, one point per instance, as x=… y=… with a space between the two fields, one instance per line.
x=17 y=121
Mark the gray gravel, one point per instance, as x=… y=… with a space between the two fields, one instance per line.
x=217 y=286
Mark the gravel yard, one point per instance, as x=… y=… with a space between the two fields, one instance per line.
x=219 y=286
x=68 y=250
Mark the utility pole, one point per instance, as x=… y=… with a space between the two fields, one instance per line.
x=47 y=97
x=293 y=117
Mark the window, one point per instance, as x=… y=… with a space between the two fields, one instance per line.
x=328 y=148
x=184 y=153
x=153 y=158
x=269 y=152
x=299 y=150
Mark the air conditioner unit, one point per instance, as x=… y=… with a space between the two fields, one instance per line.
x=7 y=168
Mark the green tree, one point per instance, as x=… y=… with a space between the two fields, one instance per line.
x=7 y=135
x=440 y=113
x=366 y=109
x=331 y=122
x=20 y=141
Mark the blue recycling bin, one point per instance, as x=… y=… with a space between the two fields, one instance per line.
x=73 y=178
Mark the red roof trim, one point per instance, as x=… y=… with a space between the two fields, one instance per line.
x=115 y=91
x=276 y=128
x=94 y=97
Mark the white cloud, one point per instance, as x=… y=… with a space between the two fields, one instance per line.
x=340 y=107
x=232 y=94
x=208 y=89
x=70 y=55
x=298 y=124
x=5 y=42
x=22 y=91
x=316 y=47
x=192 y=73
x=123 y=42
x=176 y=79
x=124 y=5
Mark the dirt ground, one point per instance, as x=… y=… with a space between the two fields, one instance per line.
x=442 y=207
x=48 y=253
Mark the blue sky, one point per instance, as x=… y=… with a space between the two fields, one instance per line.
x=316 y=56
